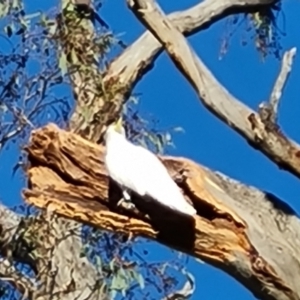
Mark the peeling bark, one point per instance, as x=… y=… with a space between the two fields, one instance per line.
x=251 y=235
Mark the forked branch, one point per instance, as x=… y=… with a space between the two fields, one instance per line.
x=269 y=140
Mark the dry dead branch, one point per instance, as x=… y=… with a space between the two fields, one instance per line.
x=268 y=139
x=250 y=234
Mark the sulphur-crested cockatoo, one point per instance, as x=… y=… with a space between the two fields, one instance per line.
x=135 y=168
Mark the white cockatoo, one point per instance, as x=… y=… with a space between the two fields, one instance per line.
x=136 y=169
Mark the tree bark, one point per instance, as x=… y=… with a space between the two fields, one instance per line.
x=250 y=234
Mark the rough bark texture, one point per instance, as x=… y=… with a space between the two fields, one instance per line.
x=250 y=234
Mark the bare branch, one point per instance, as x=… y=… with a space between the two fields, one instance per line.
x=286 y=67
x=268 y=111
x=138 y=59
x=215 y=97
x=93 y=110
x=229 y=231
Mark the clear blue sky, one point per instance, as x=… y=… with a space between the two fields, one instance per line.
x=167 y=95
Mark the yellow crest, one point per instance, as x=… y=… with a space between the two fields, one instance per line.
x=119 y=125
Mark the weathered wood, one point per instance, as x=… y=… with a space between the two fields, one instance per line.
x=250 y=234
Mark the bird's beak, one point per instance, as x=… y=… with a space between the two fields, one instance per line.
x=119 y=125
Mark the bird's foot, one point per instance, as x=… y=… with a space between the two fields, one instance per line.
x=125 y=201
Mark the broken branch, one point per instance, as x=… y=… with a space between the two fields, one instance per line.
x=67 y=175
x=286 y=67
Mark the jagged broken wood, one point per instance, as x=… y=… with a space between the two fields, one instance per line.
x=250 y=234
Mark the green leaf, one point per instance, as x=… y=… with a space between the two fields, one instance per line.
x=139 y=278
x=67 y=4
x=74 y=58
x=178 y=129
x=8 y=30
x=112 y=265
x=52 y=28
x=16 y=4
x=119 y=282
x=43 y=19
x=141 y=281
x=99 y=263
x=122 y=273
x=3 y=9
x=63 y=64
x=3 y=108
x=113 y=294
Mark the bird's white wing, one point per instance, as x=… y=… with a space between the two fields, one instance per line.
x=157 y=182
x=121 y=164
x=139 y=170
